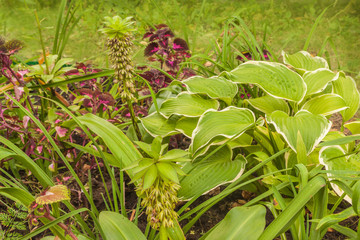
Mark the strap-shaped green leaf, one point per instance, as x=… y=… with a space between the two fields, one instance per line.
x=325 y=104
x=303 y=61
x=313 y=128
x=190 y=105
x=214 y=87
x=274 y=78
x=240 y=223
x=226 y=124
x=317 y=80
x=116 y=227
x=268 y=104
x=345 y=86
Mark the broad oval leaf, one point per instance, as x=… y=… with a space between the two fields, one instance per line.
x=240 y=223
x=190 y=105
x=325 y=104
x=227 y=123
x=313 y=128
x=117 y=227
x=302 y=61
x=345 y=86
x=157 y=125
x=168 y=171
x=205 y=176
x=317 y=80
x=274 y=78
x=268 y=104
x=214 y=87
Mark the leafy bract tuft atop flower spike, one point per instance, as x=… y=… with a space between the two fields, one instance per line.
x=117 y=27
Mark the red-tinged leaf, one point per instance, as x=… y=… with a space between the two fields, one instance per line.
x=55 y=194
x=180 y=45
x=151 y=49
x=61 y=131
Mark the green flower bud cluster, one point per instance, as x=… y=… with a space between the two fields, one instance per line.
x=158 y=181
x=160 y=200
x=119 y=43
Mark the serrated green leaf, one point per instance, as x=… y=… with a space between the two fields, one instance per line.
x=274 y=78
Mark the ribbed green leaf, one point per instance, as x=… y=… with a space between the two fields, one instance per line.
x=332 y=219
x=240 y=223
x=274 y=78
x=227 y=123
x=289 y=127
x=317 y=80
x=269 y=104
x=117 y=227
x=189 y=105
x=168 y=171
x=18 y=195
x=302 y=61
x=214 y=87
x=325 y=104
x=346 y=88
x=216 y=170
x=121 y=147
x=157 y=125
x=186 y=125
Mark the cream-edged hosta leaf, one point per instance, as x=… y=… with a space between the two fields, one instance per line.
x=217 y=170
x=313 y=128
x=186 y=104
x=268 y=104
x=345 y=86
x=274 y=78
x=214 y=87
x=325 y=104
x=317 y=80
x=302 y=61
x=227 y=123
x=157 y=125
x=354 y=127
x=186 y=125
x=332 y=158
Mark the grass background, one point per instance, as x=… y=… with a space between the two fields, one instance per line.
x=287 y=24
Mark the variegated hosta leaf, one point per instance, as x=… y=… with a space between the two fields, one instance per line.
x=302 y=61
x=189 y=105
x=226 y=124
x=216 y=170
x=274 y=78
x=325 y=104
x=214 y=87
x=345 y=86
x=157 y=125
x=354 y=127
x=313 y=128
x=186 y=125
x=332 y=158
x=54 y=194
x=317 y=80
x=269 y=104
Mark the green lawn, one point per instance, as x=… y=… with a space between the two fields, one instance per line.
x=287 y=24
